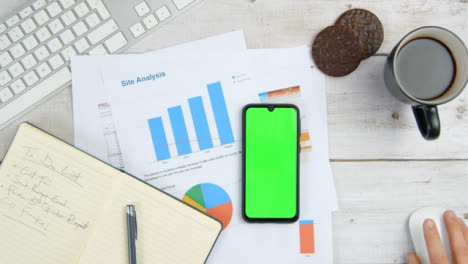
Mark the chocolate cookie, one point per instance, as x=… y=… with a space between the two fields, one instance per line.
x=368 y=26
x=337 y=50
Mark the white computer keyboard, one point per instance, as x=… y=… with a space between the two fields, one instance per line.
x=37 y=42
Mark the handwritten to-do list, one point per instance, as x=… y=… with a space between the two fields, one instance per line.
x=48 y=194
x=28 y=192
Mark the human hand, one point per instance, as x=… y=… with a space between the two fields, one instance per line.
x=458 y=237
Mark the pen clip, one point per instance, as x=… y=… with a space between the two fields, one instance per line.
x=131 y=211
x=135 y=223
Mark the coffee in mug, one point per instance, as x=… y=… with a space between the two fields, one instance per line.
x=428 y=67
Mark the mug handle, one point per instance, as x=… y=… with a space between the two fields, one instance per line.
x=427 y=118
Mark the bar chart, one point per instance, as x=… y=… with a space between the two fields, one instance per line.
x=198 y=119
x=306 y=236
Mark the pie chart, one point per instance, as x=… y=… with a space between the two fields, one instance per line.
x=212 y=200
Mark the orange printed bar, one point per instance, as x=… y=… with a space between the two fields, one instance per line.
x=305 y=136
x=279 y=93
x=306 y=234
x=306 y=147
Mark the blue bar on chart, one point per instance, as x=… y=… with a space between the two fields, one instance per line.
x=221 y=115
x=158 y=136
x=179 y=130
x=200 y=123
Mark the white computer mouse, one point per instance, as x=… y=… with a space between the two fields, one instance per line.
x=415 y=223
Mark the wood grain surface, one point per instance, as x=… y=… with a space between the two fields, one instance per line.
x=382 y=167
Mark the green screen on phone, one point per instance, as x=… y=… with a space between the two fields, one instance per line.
x=270 y=160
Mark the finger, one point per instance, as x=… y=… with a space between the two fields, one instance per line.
x=455 y=230
x=465 y=230
x=412 y=258
x=456 y=237
x=434 y=245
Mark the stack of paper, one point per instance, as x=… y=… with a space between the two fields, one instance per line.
x=173 y=118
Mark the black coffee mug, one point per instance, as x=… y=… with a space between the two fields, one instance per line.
x=425 y=110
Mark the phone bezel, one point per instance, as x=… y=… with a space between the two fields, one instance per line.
x=298 y=121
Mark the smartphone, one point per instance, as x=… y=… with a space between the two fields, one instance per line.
x=271 y=162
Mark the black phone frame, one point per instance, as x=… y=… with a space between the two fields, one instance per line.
x=298 y=121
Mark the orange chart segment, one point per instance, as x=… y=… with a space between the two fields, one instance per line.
x=222 y=212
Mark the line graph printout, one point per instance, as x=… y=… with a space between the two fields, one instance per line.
x=178 y=126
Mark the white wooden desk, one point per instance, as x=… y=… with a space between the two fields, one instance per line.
x=382 y=167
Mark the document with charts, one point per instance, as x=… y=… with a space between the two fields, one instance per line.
x=178 y=123
x=179 y=114
x=94 y=130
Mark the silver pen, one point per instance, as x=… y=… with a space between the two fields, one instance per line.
x=132 y=233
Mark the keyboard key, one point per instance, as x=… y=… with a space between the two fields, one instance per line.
x=41 y=53
x=43 y=34
x=54 y=9
x=5 y=95
x=98 y=50
x=38 y=4
x=4 y=42
x=102 y=10
x=93 y=20
x=16 y=34
x=12 y=20
x=26 y=12
x=68 y=52
x=54 y=45
x=67 y=37
x=18 y=86
x=30 y=42
x=28 y=61
x=30 y=78
x=142 y=8
x=150 y=21
x=56 y=61
x=4 y=77
x=17 y=51
x=16 y=69
x=67 y=3
x=137 y=30
x=92 y=3
x=43 y=70
x=182 y=3
x=115 y=42
x=80 y=28
x=5 y=59
x=56 y=26
x=102 y=32
x=28 y=25
x=41 y=17
x=2 y=27
x=81 y=9
x=81 y=45
x=68 y=18
x=163 y=13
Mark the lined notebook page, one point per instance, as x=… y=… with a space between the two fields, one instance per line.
x=60 y=205
x=168 y=231
x=51 y=196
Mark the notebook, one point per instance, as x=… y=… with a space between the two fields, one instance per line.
x=60 y=205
